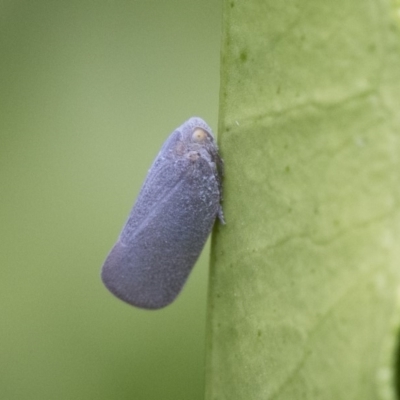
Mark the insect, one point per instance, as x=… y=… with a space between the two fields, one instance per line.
x=170 y=221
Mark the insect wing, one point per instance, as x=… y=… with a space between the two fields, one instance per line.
x=165 y=232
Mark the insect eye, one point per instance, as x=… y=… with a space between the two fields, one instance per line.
x=199 y=135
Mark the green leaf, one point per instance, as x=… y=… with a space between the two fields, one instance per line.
x=304 y=283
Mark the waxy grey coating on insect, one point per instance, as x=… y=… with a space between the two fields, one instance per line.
x=170 y=222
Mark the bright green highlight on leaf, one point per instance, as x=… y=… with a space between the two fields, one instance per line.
x=304 y=285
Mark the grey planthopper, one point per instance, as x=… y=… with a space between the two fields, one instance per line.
x=170 y=221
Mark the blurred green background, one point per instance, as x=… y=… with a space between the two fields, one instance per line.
x=89 y=90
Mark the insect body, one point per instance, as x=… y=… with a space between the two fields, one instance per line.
x=170 y=222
